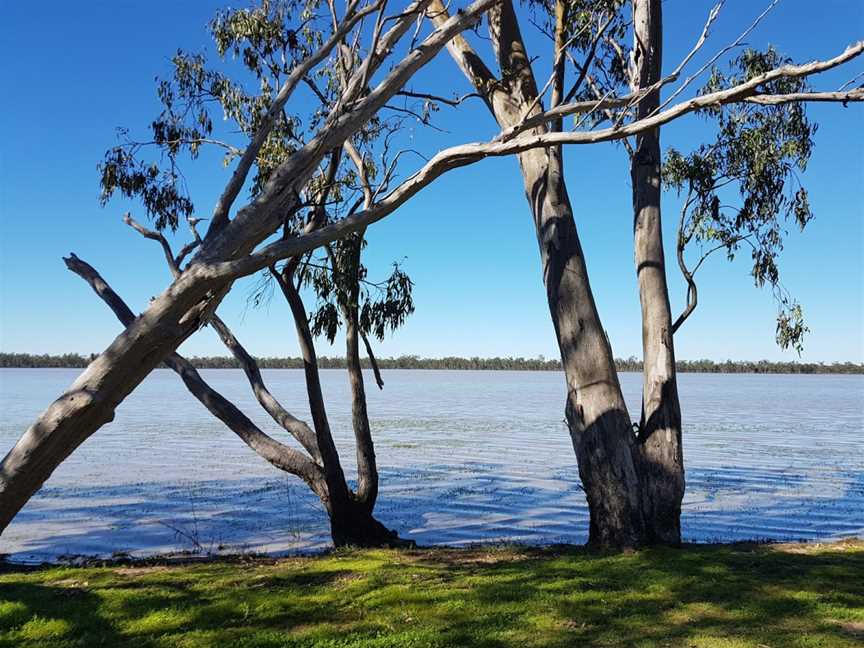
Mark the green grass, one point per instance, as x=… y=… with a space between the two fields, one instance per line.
x=704 y=596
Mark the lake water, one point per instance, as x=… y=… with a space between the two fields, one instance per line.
x=465 y=457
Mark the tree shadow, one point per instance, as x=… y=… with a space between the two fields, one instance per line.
x=555 y=596
x=141 y=606
x=36 y=613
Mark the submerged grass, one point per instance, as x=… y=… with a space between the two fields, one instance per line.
x=701 y=596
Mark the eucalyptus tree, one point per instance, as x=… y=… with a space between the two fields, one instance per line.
x=279 y=198
x=597 y=416
x=345 y=297
x=634 y=483
x=318 y=464
x=758 y=146
x=243 y=243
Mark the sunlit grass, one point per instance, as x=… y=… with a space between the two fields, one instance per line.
x=705 y=597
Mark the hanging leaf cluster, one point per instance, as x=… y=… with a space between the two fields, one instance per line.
x=267 y=41
x=159 y=190
x=743 y=188
x=341 y=285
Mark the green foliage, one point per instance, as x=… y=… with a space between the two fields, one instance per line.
x=268 y=45
x=159 y=190
x=757 y=154
x=259 y=34
x=599 y=55
x=699 y=596
x=257 y=49
x=344 y=284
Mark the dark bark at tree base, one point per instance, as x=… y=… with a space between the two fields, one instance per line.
x=356 y=527
x=610 y=481
x=659 y=461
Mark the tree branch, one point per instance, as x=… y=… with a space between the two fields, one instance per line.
x=592 y=51
x=238 y=178
x=438 y=99
x=297 y=428
x=282 y=456
x=692 y=295
x=472 y=66
x=372 y=361
x=714 y=58
x=154 y=236
x=324 y=440
x=466 y=154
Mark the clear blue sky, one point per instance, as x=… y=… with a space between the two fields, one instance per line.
x=72 y=72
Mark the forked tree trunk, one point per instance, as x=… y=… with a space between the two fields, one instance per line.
x=351 y=515
x=600 y=426
x=658 y=453
x=351 y=521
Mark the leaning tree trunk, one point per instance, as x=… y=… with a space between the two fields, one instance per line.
x=658 y=453
x=600 y=426
x=351 y=522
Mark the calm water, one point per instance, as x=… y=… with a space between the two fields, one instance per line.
x=465 y=457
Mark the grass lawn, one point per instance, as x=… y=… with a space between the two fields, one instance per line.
x=707 y=596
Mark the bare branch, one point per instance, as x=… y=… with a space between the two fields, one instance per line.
x=851 y=81
x=291 y=424
x=372 y=361
x=323 y=437
x=586 y=65
x=836 y=97
x=609 y=114
x=556 y=78
x=740 y=93
x=366 y=66
x=472 y=66
x=712 y=16
x=692 y=295
x=154 y=236
x=282 y=456
x=438 y=99
x=354 y=86
x=357 y=160
x=714 y=58
x=185 y=251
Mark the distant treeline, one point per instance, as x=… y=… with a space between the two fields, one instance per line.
x=22 y=360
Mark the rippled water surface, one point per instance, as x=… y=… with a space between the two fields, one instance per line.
x=465 y=457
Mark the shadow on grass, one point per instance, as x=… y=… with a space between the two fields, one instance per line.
x=39 y=614
x=562 y=596
x=759 y=596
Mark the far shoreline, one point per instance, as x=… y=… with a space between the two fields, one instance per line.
x=455 y=363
